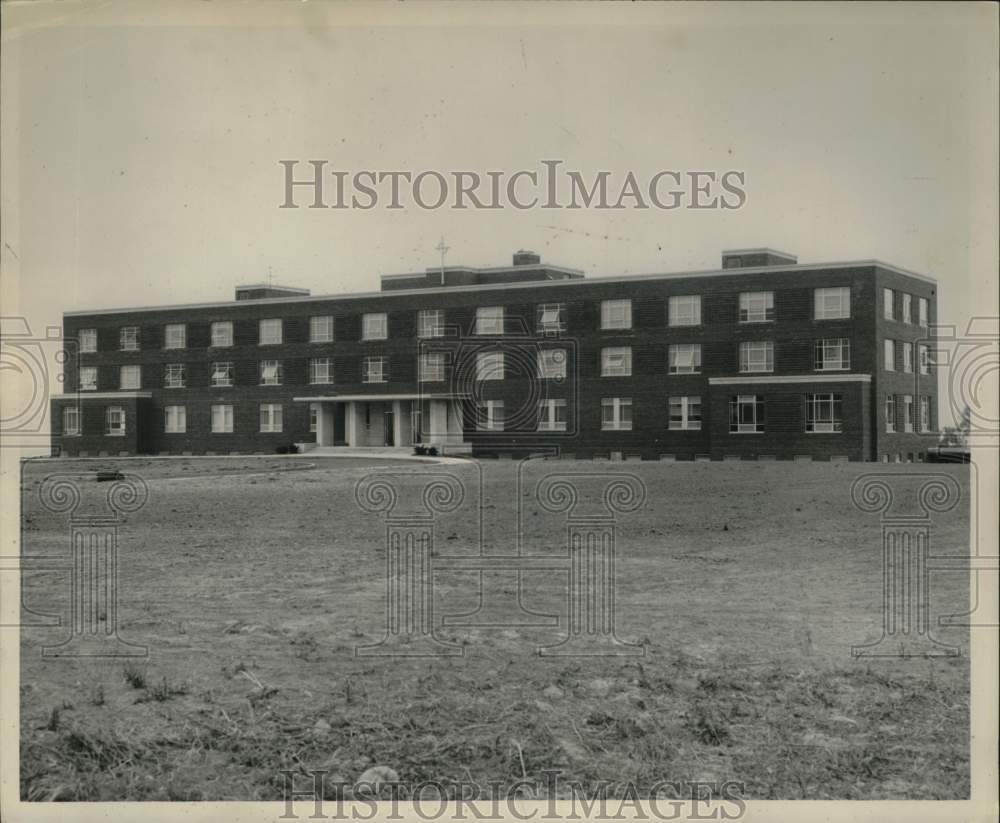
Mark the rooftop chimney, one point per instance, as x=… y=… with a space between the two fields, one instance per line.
x=523 y=257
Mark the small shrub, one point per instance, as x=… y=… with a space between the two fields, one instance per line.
x=432 y=451
x=420 y=449
x=134 y=676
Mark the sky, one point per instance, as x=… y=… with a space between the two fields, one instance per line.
x=141 y=142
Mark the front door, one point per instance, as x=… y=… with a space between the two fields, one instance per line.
x=389 y=426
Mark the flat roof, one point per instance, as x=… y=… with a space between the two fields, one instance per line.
x=762 y=250
x=478 y=270
x=272 y=286
x=632 y=278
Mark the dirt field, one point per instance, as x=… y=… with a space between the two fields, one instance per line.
x=252 y=581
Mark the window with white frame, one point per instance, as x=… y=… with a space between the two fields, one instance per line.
x=128 y=338
x=890 y=413
x=175 y=419
x=616 y=314
x=746 y=414
x=756 y=356
x=320 y=370
x=489 y=320
x=551 y=318
x=925 y=414
x=88 y=378
x=321 y=328
x=616 y=413
x=756 y=306
x=907 y=308
x=130 y=378
x=907 y=357
x=924 y=359
x=373 y=370
x=222 y=419
x=489 y=365
x=375 y=326
x=222 y=334
x=907 y=412
x=832 y=303
x=71 y=421
x=431 y=368
x=88 y=340
x=684 y=310
x=114 y=418
x=174 y=336
x=269 y=331
x=270 y=417
x=491 y=416
x=922 y=311
x=616 y=361
x=684 y=358
x=222 y=374
x=173 y=376
x=889 y=354
x=313 y=417
x=430 y=323
x=684 y=413
x=888 y=304
x=552 y=415
x=270 y=372
x=824 y=413
x=833 y=354
x=552 y=364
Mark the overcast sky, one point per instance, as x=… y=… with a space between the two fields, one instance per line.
x=141 y=151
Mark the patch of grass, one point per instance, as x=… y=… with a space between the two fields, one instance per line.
x=134 y=676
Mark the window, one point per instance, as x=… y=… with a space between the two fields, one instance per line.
x=925 y=414
x=270 y=372
x=907 y=412
x=320 y=370
x=924 y=358
x=173 y=376
x=175 y=419
x=489 y=365
x=552 y=415
x=824 y=413
x=115 y=421
x=431 y=367
x=684 y=310
x=757 y=356
x=88 y=378
x=888 y=304
x=269 y=332
x=616 y=413
x=552 y=364
x=375 y=326
x=490 y=417
x=321 y=329
x=889 y=354
x=71 y=421
x=430 y=323
x=270 y=417
x=128 y=338
x=616 y=361
x=616 y=314
x=833 y=303
x=313 y=417
x=833 y=354
x=907 y=357
x=551 y=318
x=684 y=358
x=756 y=306
x=222 y=374
x=222 y=419
x=907 y=308
x=130 y=378
x=174 y=336
x=890 y=413
x=222 y=334
x=684 y=413
x=746 y=414
x=373 y=370
x=922 y=311
x=88 y=340
x=489 y=320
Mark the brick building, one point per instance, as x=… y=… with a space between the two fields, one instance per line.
x=762 y=358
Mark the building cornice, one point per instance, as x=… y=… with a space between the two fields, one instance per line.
x=104 y=395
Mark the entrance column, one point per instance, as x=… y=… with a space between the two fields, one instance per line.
x=324 y=424
x=351 y=428
x=398 y=429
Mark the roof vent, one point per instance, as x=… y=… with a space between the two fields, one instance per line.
x=523 y=257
